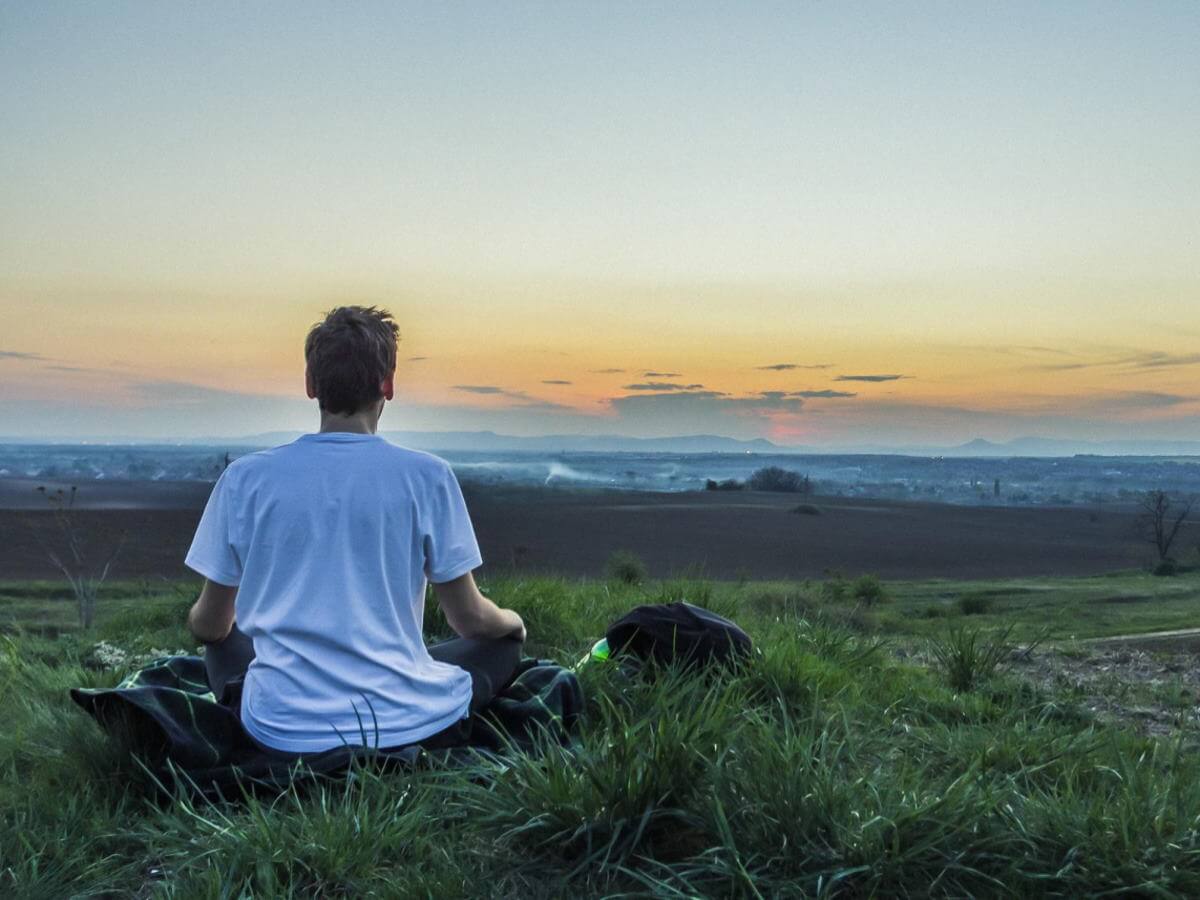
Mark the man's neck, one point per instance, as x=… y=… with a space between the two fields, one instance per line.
x=359 y=423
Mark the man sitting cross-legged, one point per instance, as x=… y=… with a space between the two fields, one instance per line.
x=321 y=550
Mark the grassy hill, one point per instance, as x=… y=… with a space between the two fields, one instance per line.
x=841 y=762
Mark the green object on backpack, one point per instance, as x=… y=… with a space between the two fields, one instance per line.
x=598 y=653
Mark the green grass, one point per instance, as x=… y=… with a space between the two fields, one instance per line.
x=828 y=767
x=1064 y=608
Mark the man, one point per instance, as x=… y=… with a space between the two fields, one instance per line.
x=321 y=550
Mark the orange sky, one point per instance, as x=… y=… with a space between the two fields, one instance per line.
x=999 y=209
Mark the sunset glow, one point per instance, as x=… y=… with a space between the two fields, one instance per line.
x=823 y=226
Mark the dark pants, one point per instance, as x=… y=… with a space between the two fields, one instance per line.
x=490 y=663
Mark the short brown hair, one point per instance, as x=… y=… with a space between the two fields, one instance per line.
x=348 y=355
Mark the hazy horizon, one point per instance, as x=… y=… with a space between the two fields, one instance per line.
x=825 y=226
x=551 y=445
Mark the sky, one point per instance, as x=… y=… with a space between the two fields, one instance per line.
x=824 y=224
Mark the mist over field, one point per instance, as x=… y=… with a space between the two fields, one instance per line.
x=982 y=480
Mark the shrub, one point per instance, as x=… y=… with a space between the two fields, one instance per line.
x=974 y=605
x=836 y=588
x=806 y=509
x=729 y=484
x=868 y=590
x=626 y=567
x=1166 y=568
x=784 y=481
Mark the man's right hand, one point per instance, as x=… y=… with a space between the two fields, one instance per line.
x=473 y=615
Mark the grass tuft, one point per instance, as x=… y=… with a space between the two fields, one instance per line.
x=626 y=567
x=968 y=656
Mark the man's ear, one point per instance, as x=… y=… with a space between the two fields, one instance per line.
x=388 y=386
x=310 y=387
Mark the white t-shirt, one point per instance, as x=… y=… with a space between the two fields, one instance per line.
x=330 y=540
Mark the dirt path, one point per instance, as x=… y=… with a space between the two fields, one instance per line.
x=1181 y=640
x=1150 y=682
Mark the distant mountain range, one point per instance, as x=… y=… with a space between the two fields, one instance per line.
x=489 y=441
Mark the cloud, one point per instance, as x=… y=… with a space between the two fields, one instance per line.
x=16 y=354
x=690 y=412
x=1128 y=401
x=685 y=398
x=660 y=374
x=556 y=381
x=417 y=358
x=685 y=409
x=823 y=395
x=58 y=368
x=160 y=409
x=1066 y=367
x=708 y=401
x=520 y=398
x=804 y=395
x=870 y=378
x=788 y=367
x=608 y=371
x=662 y=386
x=1130 y=359
x=184 y=393
x=1160 y=360
x=1027 y=350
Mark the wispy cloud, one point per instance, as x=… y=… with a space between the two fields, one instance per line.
x=690 y=412
x=16 y=354
x=608 y=371
x=662 y=386
x=519 y=398
x=870 y=378
x=556 y=381
x=1075 y=364
x=1125 y=359
x=177 y=393
x=1018 y=349
x=660 y=374
x=417 y=358
x=788 y=367
x=826 y=394
x=1126 y=401
x=714 y=400
x=1163 y=360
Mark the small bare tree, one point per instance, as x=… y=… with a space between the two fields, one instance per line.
x=69 y=556
x=1161 y=518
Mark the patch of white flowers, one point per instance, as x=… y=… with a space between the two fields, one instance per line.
x=110 y=656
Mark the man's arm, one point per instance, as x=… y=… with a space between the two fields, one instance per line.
x=211 y=616
x=473 y=615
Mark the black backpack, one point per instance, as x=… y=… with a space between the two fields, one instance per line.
x=677 y=632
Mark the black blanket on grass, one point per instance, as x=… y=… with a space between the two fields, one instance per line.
x=167 y=715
